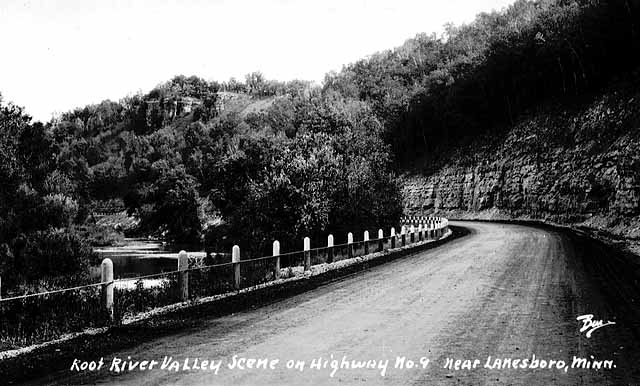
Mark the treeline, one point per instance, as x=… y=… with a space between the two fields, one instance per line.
x=38 y=206
x=257 y=85
x=303 y=167
x=310 y=163
x=434 y=91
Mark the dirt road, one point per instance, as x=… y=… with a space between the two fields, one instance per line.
x=505 y=291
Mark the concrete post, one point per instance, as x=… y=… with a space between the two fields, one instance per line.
x=350 y=244
x=107 y=287
x=330 y=249
x=366 y=242
x=183 y=275
x=393 y=237
x=419 y=232
x=276 y=252
x=412 y=234
x=235 y=259
x=307 y=254
x=403 y=236
x=380 y=240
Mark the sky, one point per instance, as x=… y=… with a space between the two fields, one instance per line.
x=59 y=55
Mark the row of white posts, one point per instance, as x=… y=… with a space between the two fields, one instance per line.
x=431 y=230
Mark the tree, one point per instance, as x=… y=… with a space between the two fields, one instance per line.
x=255 y=82
x=36 y=207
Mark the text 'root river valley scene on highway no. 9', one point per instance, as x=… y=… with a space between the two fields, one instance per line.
x=289 y=192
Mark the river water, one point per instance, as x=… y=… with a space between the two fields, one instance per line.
x=138 y=257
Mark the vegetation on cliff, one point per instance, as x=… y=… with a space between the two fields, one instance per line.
x=433 y=92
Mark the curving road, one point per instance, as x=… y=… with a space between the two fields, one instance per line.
x=506 y=291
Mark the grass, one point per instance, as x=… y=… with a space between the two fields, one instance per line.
x=42 y=318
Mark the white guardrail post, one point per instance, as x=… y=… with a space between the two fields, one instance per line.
x=366 y=242
x=426 y=227
x=183 y=275
x=330 y=249
x=235 y=259
x=106 y=278
x=276 y=252
x=307 y=254
x=393 y=237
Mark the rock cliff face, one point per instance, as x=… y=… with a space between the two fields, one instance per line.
x=171 y=108
x=578 y=166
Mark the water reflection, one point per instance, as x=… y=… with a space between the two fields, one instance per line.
x=144 y=256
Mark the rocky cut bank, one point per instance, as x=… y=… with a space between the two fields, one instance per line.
x=577 y=164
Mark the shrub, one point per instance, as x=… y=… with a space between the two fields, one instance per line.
x=58 y=209
x=55 y=252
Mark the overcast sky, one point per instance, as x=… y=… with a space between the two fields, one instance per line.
x=58 y=55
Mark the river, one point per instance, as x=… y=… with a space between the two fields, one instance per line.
x=138 y=256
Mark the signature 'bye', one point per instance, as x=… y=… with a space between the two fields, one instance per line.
x=590 y=325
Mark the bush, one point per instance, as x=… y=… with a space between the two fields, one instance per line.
x=55 y=252
x=58 y=210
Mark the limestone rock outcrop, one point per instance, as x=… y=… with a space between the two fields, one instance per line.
x=557 y=165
